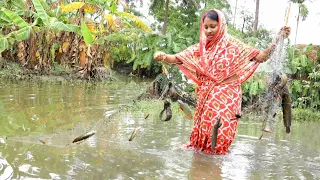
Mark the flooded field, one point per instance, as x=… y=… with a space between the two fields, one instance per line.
x=39 y=121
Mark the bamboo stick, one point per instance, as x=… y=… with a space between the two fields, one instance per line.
x=287 y=15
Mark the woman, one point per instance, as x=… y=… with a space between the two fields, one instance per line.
x=218 y=65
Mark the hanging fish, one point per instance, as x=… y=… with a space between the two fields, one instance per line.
x=286 y=108
x=85 y=136
x=134 y=133
x=167 y=109
x=275 y=91
x=185 y=109
x=172 y=93
x=281 y=81
x=214 y=134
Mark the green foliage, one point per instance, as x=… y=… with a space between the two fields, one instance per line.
x=218 y=4
x=305 y=115
x=253 y=87
x=15 y=18
x=10 y=69
x=300 y=64
x=303 y=11
x=3 y=44
x=87 y=36
x=149 y=44
x=41 y=12
x=306 y=74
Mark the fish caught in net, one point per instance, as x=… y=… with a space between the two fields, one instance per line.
x=278 y=92
x=164 y=86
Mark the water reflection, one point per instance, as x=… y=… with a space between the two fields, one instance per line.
x=39 y=121
x=204 y=167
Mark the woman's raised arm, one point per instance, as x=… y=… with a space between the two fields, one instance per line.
x=167 y=58
x=263 y=55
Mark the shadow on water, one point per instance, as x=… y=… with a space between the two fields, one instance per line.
x=56 y=113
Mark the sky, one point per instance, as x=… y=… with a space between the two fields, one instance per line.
x=272 y=16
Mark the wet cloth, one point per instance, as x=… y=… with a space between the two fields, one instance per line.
x=209 y=64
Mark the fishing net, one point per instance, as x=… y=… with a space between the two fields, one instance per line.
x=277 y=82
x=105 y=129
x=168 y=86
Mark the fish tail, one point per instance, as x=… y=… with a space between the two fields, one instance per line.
x=288 y=130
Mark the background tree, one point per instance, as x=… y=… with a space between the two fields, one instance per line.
x=256 y=17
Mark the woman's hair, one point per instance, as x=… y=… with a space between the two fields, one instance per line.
x=212 y=15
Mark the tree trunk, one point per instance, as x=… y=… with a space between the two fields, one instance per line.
x=235 y=13
x=165 y=23
x=243 y=24
x=256 y=18
x=295 y=38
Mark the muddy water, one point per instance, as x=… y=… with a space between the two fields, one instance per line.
x=38 y=122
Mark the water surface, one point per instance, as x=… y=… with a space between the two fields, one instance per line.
x=39 y=120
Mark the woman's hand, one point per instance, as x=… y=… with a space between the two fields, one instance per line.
x=287 y=31
x=159 y=56
x=167 y=58
x=264 y=55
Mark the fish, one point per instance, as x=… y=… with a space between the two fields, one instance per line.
x=279 y=82
x=282 y=82
x=85 y=136
x=185 y=109
x=286 y=109
x=167 y=109
x=146 y=116
x=164 y=70
x=42 y=141
x=172 y=93
x=134 y=133
x=237 y=116
x=275 y=90
x=214 y=134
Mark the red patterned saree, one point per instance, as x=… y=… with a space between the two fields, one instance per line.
x=210 y=64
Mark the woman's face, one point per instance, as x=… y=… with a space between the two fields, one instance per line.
x=210 y=27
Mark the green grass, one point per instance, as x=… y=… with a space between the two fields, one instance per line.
x=11 y=69
x=305 y=115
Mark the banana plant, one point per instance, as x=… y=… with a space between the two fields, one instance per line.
x=12 y=20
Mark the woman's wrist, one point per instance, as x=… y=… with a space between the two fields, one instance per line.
x=164 y=56
x=270 y=49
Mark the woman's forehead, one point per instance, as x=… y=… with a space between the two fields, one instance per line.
x=207 y=20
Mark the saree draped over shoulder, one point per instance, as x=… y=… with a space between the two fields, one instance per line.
x=209 y=65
